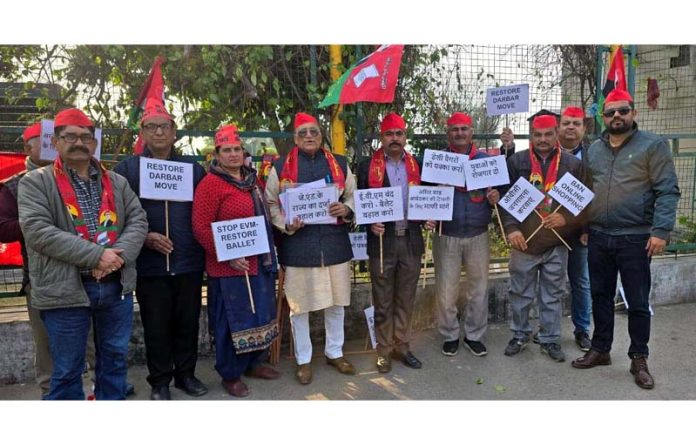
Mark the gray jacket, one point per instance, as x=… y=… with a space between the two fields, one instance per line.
x=56 y=252
x=635 y=186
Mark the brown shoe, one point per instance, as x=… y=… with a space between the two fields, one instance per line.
x=639 y=369
x=304 y=373
x=591 y=359
x=235 y=388
x=343 y=365
x=383 y=363
x=263 y=372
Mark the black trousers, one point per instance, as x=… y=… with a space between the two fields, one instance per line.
x=169 y=309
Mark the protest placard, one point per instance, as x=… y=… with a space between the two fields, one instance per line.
x=486 y=172
x=165 y=180
x=358 y=242
x=571 y=194
x=239 y=238
x=521 y=199
x=370 y=319
x=507 y=99
x=311 y=205
x=48 y=150
x=443 y=167
x=378 y=205
x=430 y=203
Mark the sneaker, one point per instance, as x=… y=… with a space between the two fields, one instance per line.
x=476 y=347
x=554 y=351
x=516 y=345
x=583 y=341
x=535 y=338
x=450 y=348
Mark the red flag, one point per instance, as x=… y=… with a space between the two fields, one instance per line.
x=153 y=89
x=372 y=79
x=11 y=163
x=616 y=76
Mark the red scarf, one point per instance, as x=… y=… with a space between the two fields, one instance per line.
x=288 y=175
x=378 y=165
x=107 y=229
x=476 y=196
x=545 y=184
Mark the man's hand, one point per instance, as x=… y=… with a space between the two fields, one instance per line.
x=157 y=241
x=110 y=261
x=430 y=225
x=516 y=240
x=493 y=196
x=338 y=210
x=240 y=264
x=583 y=239
x=655 y=246
x=507 y=137
x=554 y=221
x=377 y=229
x=296 y=224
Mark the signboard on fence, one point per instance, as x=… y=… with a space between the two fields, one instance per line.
x=571 y=194
x=521 y=199
x=443 y=167
x=430 y=203
x=508 y=99
x=239 y=238
x=311 y=205
x=166 y=180
x=378 y=205
x=358 y=242
x=486 y=172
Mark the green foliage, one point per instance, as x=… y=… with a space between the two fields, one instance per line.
x=688 y=229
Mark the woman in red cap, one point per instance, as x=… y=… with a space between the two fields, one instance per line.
x=242 y=333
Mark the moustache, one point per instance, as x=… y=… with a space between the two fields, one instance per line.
x=395 y=144
x=81 y=148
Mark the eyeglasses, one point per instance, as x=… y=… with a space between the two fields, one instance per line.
x=312 y=132
x=71 y=138
x=152 y=128
x=397 y=133
x=623 y=111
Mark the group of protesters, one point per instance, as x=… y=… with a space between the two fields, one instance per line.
x=90 y=240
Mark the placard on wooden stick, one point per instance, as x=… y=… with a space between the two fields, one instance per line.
x=521 y=199
x=571 y=194
x=311 y=205
x=443 y=167
x=486 y=172
x=430 y=203
x=358 y=242
x=377 y=205
x=166 y=180
x=239 y=238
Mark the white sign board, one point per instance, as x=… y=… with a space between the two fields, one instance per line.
x=571 y=194
x=48 y=150
x=166 y=180
x=443 y=167
x=311 y=205
x=521 y=199
x=358 y=242
x=378 y=205
x=370 y=318
x=434 y=203
x=506 y=100
x=486 y=172
x=239 y=238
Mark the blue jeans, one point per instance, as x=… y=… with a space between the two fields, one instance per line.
x=579 y=278
x=624 y=254
x=112 y=316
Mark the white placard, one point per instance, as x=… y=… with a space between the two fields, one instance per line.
x=283 y=196
x=571 y=194
x=434 y=203
x=166 y=180
x=508 y=99
x=370 y=319
x=239 y=238
x=378 y=205
x=311 y=205
x=486 y=172
x=358 y=242
x=443 y=167
x=521 y=199
x=48 y=150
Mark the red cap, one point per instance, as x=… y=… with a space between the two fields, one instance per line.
x=304 y=118
x=544 y=122
x=392 y=121
x=31 y=132
x=155 y=109
x=573 y=112
x=72 y=116
x=617 y=95
x=459 y=118
x=227 y=134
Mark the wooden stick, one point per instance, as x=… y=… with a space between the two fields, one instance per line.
x=251 y=296
x=439 y=232
x=553 y=230
x=166 y=226
x=274 y=356
x=425 y=259
x=381 y=254
x=502 y=230
x=541 y=224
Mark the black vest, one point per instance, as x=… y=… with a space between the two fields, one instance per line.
x=314 y=245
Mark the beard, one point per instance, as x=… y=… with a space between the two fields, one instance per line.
x=621 y=129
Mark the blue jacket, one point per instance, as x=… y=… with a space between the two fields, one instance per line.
x=188 y=255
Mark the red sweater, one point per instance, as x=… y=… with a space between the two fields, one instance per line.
x=217 y=200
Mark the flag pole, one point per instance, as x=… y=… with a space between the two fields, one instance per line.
x=166 y=226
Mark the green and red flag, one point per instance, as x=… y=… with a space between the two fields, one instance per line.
x=372 y=79
x=152 y=90
x=616 y=79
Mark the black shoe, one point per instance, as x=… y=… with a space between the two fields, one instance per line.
x=583 y=341
x=191 y=386
x=130 y=389
x=476 y=347
x=408 y=359
x=160 y=393
x=554 y=351
x=516 y=345
x=450 y=348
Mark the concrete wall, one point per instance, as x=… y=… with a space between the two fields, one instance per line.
x=672 y=283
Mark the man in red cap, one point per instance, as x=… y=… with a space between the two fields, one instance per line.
x=394 y=287
x=316 y=257
x=82 y=261
x=630 y=220
x=11 y=232
x=170 y=268
x=542 y=262
x=464 y=241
